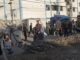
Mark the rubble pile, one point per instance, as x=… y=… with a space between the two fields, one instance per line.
x=2 y=24
x=66 y=41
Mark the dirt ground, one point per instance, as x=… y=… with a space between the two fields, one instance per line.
x=52 y=52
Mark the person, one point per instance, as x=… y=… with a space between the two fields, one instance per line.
x=65 y=28
x=31 y=27
x=54 y=29
x=8 y=44
x=11 y=30
x=38 y=31
x=58 y=27
x=31 y=30
x=47 y=28
x=25 y=31
x=70 y=28
x=73 y=26
x=38 y=26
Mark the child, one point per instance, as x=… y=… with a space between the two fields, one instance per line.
x=8 y=44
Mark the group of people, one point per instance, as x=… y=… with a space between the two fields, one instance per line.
x=63 y=28
x=59 y=29
x=37 y=30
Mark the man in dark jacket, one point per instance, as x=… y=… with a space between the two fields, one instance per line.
x=25 y=31
x=31 y=29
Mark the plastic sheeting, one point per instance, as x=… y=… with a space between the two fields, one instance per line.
x=62 y=18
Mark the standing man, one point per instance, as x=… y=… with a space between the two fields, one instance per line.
x=70 y=28
x=31 y=30
x=73 y=26
x=58 y=27
x=25 y=31
x=65 y=28
x=38 y=33
x=48 y=28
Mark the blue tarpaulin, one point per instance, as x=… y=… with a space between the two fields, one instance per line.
x=62 y=18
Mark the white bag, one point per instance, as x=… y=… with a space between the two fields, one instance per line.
x=45 y=34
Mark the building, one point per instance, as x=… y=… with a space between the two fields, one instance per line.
x=78 y=3
x=33 y=10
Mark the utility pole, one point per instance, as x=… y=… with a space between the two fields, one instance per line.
x=46 y=15
x=70 y=8
x=11 y=10
x=58 y=7
x=20 y=9
x=45 y=11
x=21 y=13
x=5 y=16
x=51 y=8
x=77 y=7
